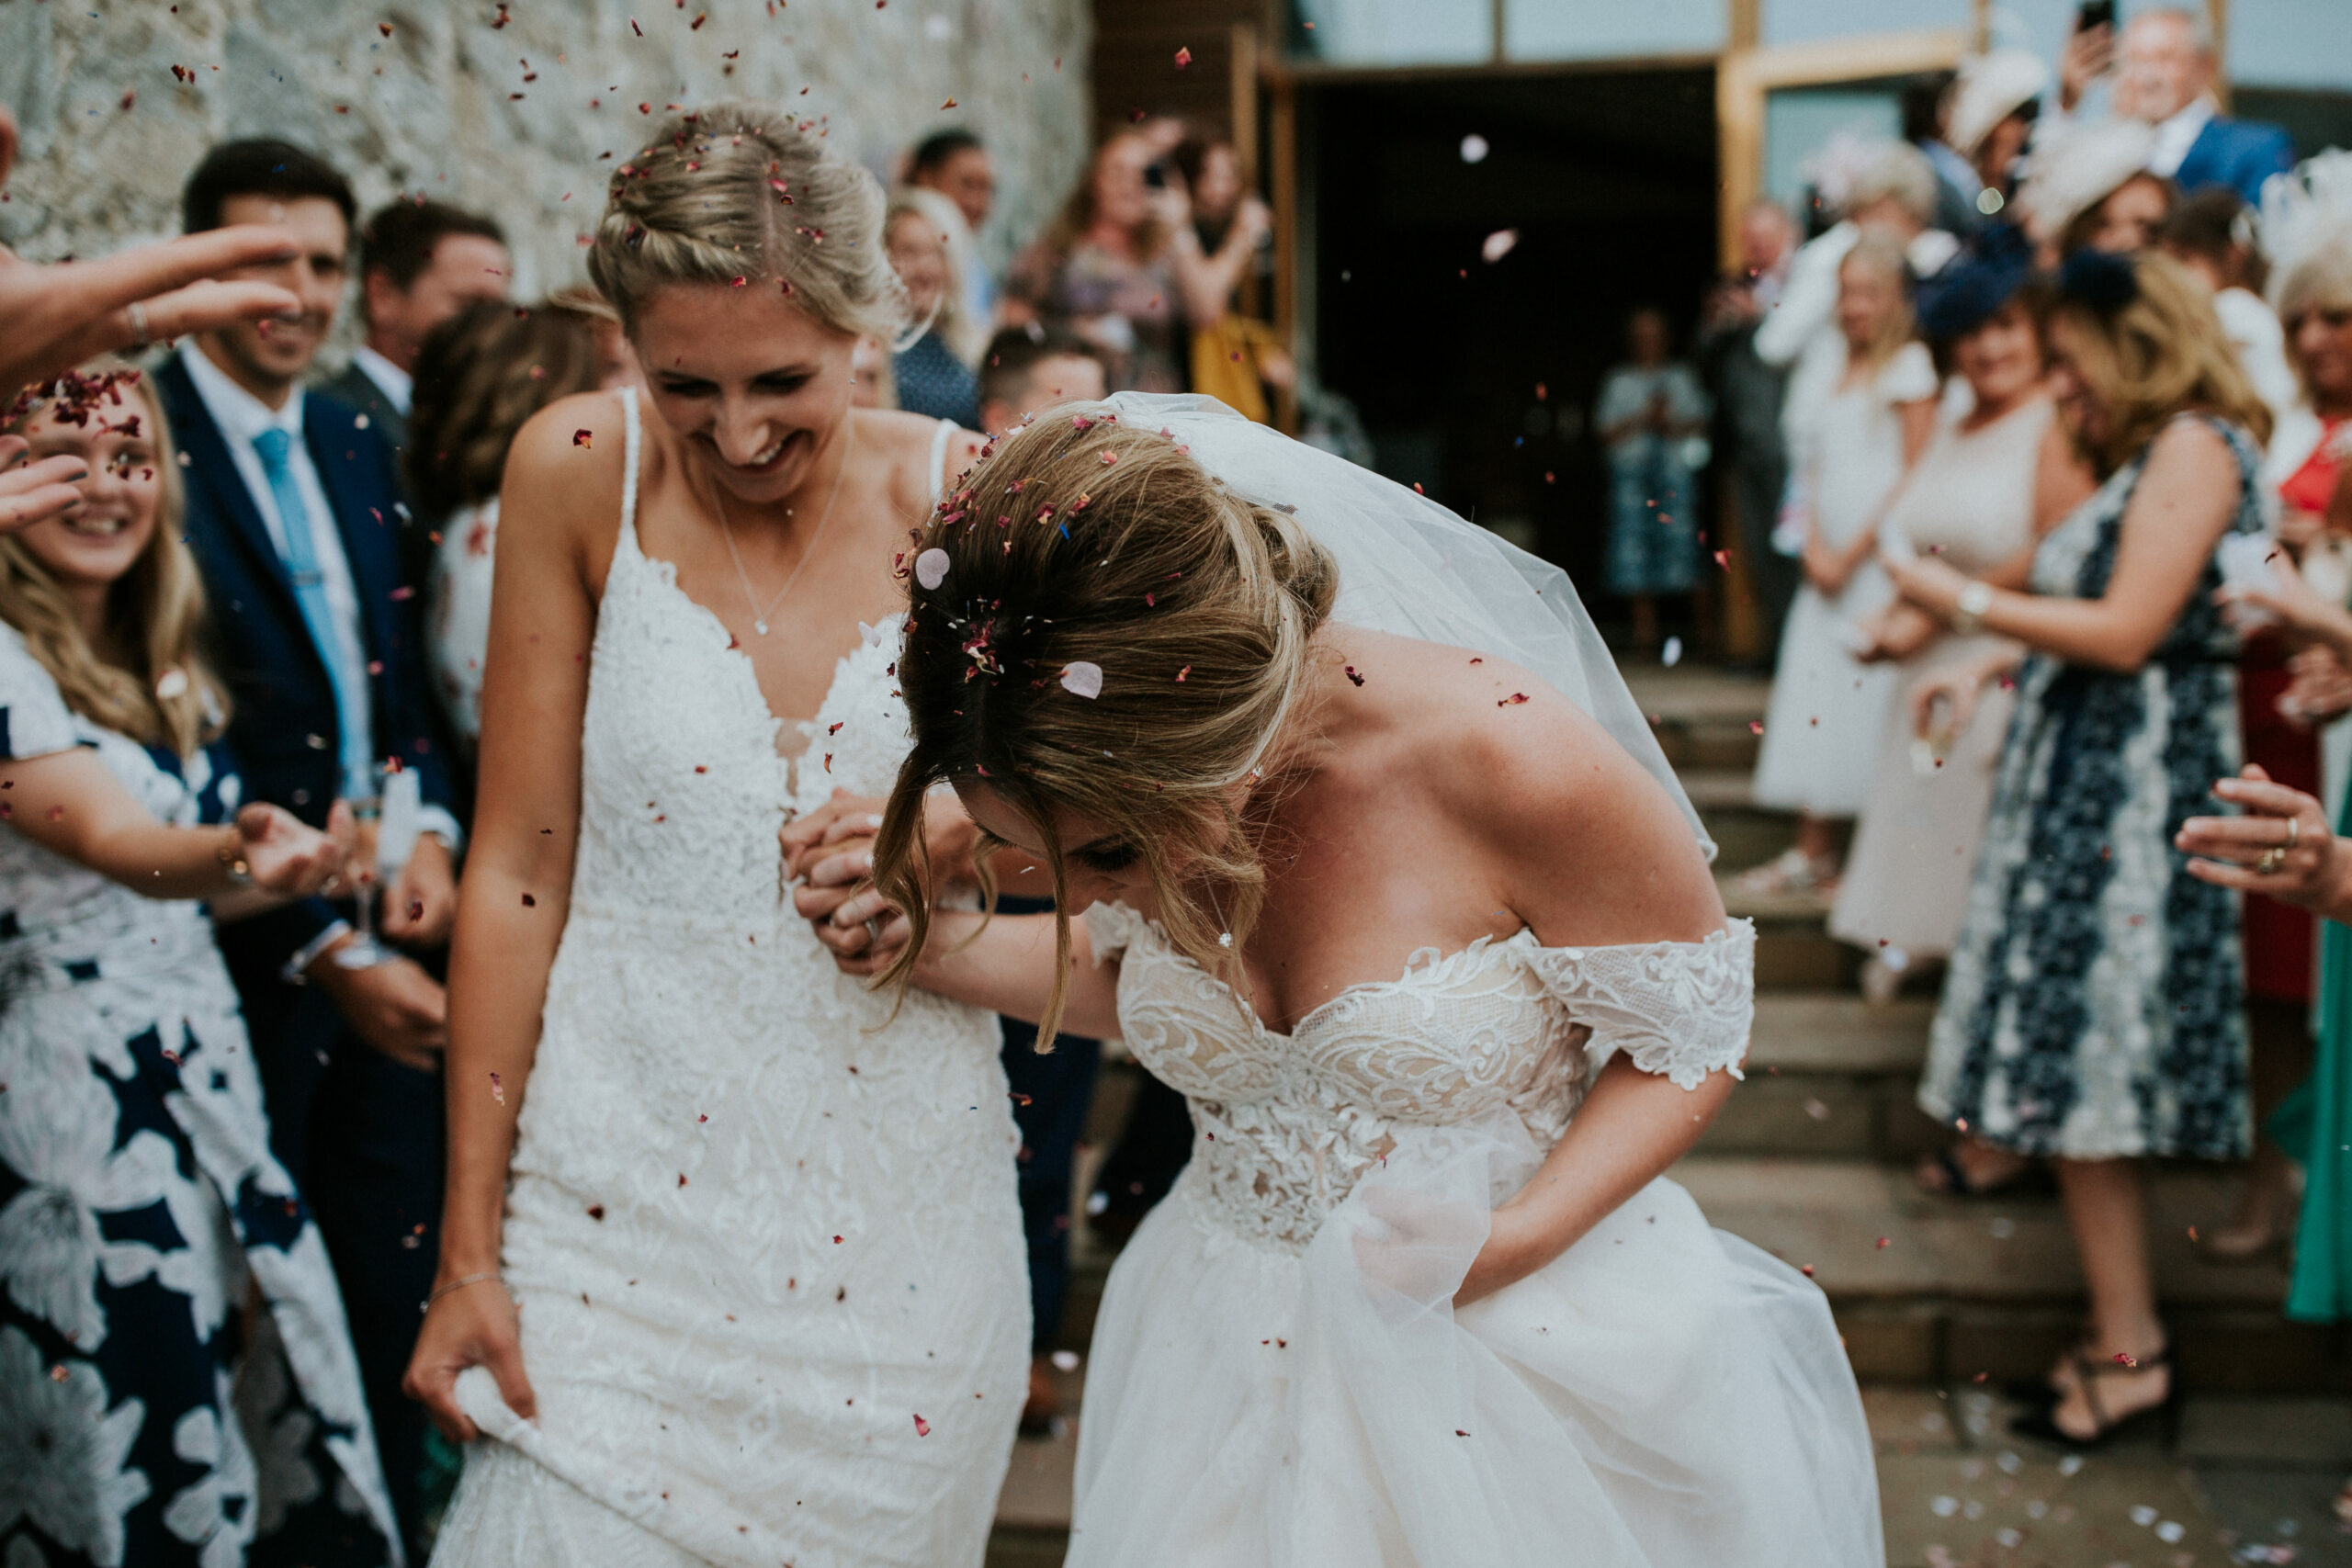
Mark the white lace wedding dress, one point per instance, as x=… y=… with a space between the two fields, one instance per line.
x=1279 y=1379
x=763 y=1236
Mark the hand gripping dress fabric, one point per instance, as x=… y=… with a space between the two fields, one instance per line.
x=1280 y=1378
x=763 y=1236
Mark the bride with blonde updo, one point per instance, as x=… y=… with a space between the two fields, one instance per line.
x=732 y=1271
x=1361 y=844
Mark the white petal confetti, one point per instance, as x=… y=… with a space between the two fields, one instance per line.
x=1080 y=677
x=1498 y=244
x=872 y=635
x=1474 y=149
x=931 y=567
x=172 y=682
x=1671 y=654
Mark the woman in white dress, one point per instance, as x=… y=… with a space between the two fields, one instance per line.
x=1380 y=867
x=1999 y=472
x=732 y=1268
x=1848 y=449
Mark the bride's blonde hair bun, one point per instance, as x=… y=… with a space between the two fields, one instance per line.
x=1084 y=544
x=734 y=192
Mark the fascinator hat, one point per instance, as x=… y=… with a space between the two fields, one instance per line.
x=2306 y=213
x=1975 y=285
x=2078 y=169
x=1988 y=90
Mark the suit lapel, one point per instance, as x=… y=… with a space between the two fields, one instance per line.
x=211 y=467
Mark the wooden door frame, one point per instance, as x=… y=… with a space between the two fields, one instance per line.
x=1745 y=77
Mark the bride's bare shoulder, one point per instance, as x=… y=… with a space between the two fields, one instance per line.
x=906 y=445
x=1596 y=849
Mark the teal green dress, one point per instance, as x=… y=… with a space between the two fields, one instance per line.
x=2315 y=1127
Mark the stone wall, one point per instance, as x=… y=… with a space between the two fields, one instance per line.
x=445 y=104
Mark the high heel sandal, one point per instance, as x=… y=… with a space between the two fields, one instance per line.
x=2166 y=1414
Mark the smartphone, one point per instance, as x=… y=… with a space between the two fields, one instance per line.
x=2094 y=13
x=1154 y=173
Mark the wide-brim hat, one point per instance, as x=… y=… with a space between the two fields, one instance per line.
x=1988 y=89
x=2074 y=172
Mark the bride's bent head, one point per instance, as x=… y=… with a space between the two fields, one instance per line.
x=1103 y=645
x=746 y=262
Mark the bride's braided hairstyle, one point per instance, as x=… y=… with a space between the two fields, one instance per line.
x=738 y=194
x=1083 y=540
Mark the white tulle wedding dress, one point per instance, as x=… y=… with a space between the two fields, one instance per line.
x=764 y=1234
x=1279 y=1377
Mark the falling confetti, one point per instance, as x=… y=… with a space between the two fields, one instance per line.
x=1498 y=244
x=1184 y=58
x=1671 y=654
x=1474 y=149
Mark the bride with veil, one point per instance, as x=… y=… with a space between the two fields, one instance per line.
x=1362 y=844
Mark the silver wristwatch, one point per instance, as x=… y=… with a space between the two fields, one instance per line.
x=1968 y=610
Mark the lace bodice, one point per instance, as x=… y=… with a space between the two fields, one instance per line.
x=1287 y=1123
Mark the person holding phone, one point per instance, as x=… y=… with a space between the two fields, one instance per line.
x=1122 y=268
x=2165 y=63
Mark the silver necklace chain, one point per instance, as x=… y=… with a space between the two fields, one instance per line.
x=717 y=496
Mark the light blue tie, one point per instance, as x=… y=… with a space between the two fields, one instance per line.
x=300 y=555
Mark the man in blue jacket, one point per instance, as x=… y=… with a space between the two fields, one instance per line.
x=2167 y=68
x=293 y=514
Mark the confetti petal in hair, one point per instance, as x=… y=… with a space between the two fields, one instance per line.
x=931 y=567
x=1082 y=679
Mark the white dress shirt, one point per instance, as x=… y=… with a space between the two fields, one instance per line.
x=396 y=385
x=241 y=416
x=2177 y=135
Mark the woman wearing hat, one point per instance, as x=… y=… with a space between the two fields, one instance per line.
x=2092 y=1013
x=1989 y=116
x=1993 y=479
x=2089 y=188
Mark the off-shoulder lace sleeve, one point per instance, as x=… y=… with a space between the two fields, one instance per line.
x=1112 y=927
x=34 y=721
x=1679 y=1008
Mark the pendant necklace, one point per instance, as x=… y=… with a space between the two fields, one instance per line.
x=717 y=496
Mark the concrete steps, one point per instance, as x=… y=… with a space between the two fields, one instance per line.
x=1937 y=1289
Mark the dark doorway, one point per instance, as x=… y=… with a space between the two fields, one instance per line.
x=1476 y=379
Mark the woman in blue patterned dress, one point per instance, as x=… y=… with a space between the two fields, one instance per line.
x=2093 y=1010
x=176 y=1382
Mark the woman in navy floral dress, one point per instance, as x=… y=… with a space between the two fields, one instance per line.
x=2094 y=1010
x=176 y=1381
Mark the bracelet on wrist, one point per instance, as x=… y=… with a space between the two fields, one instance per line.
x=459 y=1284
x=230 y=853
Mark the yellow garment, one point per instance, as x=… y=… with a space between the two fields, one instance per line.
x=1225 y=364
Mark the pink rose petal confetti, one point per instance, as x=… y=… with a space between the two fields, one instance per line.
x=1082 y=679
x=931 y=567
x=923 y=1427
x=497 y=1089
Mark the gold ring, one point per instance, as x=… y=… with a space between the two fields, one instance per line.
x=2272 y=859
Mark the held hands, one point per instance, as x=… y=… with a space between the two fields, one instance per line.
x=2282 y=847
x=290 y=859
x=1942 y=704
x=2294 y=602
x=830 y=854
x=472 y=1326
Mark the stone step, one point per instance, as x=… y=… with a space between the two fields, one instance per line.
x=1704 y=718
x=1830 y=1075
x=1794 y=947
x=1937 y=1289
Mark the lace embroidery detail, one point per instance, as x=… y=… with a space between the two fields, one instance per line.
x=1287 y=1124
x=1681 y=1010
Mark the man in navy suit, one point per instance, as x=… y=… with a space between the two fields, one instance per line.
x=293 y=514
x=2167 y=67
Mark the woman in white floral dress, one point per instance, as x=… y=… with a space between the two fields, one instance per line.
x=176 y=1381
